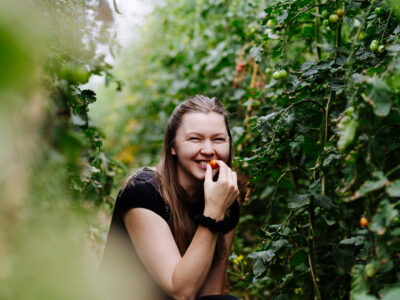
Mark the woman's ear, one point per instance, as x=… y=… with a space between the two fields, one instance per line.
x=173 y=152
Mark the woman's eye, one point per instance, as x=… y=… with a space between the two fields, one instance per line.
x=220 y=139
x=194 y=139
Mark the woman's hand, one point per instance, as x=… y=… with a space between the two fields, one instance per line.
x=219 y=195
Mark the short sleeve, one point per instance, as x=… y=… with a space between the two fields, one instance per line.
x=141 y=192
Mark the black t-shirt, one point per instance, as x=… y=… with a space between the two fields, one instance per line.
x=121 y=273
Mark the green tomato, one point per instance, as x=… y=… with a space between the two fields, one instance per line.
x=276 y=75
x=75 y=74
x=82 y=74
x=325 y=23
x=325 y=14
x=381 y=49
x=334 y=18
x=378 y=10
x=340 y=12
x=349 y=111
x=374 y=45
x=282 y=74
x=370 y=270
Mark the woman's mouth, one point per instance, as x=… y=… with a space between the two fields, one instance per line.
x=202 y=163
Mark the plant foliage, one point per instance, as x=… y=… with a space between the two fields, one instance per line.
x=318 y=142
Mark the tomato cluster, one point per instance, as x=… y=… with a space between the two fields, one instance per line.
x=240 y=67
x=376 y=47
x=331 y=20
x=282 y=74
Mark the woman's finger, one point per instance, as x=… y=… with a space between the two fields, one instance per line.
x=208 y=177
x=235 y=180
x=223 y=171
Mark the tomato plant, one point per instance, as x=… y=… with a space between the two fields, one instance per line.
x=316 y=147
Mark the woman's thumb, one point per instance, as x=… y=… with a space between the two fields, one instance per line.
x=208 y=173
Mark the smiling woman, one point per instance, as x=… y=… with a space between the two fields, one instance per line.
x=173 y=225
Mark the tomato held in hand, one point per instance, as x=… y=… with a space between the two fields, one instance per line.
x=214 y=164
x=364 y=222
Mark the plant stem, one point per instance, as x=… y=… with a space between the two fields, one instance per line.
x=325 y=139
x=317 y=31
x=311 y=218
x=392 y=171
x=350 y=58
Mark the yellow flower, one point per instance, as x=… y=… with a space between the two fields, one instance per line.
x=240 y=257
x=236 y=261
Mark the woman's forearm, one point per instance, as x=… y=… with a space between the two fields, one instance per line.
x=191 y=271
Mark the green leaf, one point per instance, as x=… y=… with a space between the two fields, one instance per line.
x=392 y=294
x=278 y=244
x=257 y=52
x=355 y=240
x=265 y=123
x=298 y=258
x=89 y=96
x=282 y=17
x=379 y=97
x=297 y=201
x=266 y=192
x=363 y=297
x=393 y=189
x=332 y=159
x=359 y=284
x=394 y=81
x=260 y=260
x=384 y=215
x=347 y=130
x=323 y=201
x=395 y=232
x=371 y=185
x=307 y=65
x=343 y=257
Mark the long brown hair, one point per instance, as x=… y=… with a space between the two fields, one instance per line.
x=174 y=195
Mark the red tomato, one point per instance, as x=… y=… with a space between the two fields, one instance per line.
x=364 y=222
x=214 y=164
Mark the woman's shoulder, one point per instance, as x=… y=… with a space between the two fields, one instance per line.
x=144 y=177
x=141 y=189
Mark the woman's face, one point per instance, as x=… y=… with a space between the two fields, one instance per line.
x=200 y=138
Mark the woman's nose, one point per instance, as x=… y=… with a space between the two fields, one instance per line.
x=207 y=148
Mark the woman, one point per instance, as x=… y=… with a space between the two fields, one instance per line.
x=180 y=217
